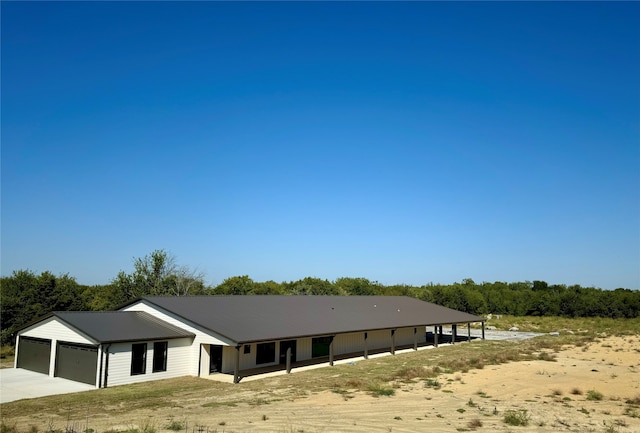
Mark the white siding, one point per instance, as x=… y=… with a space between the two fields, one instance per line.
x=348 y=343
x=404 y=336
x=304 y=349
x=203 y=336
x=178 y=362
x=379 y=339
x=55 y=330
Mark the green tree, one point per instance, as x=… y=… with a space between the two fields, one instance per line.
x=313 y=286
x=156 y=274
x=27 y=296
x=240 y=285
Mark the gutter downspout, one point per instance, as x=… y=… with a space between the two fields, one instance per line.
x=106 y=365
x=100 y=373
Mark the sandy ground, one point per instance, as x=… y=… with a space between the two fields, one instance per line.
x=554 y=395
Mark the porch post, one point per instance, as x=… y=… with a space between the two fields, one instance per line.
x=366 y=345
x=435 y=336
x=288 y=360
x=331 y=351
x=393 y=341
x=469 y=332
x=415 y=338
x=454 y=332
x=236 y=369
x=483 y=329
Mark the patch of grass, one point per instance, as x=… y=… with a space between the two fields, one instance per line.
x=584 y=411
x=432 y=383
x=557 y=392
x=471 y=403
x=576 y=391
x=409 y=373
x=610 y=428
x=635 y=400
x=546 y=356
x=220 y=404
x=175 y=425
x=474 y=423
x=398 y=418
x=594 y=395
x=145 y=427
x=631 y=412
x=518 y=417
x=5 y=428
x=461 y=410
x=483 y=394
x=380 y=390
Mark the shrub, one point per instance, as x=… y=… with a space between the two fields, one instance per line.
x=516 y=417
x=474 y=424
x=432 y=383
x=4 y=428
x=634 y=401
x=379 y=390
x=175 y=425
x=594 y=395
x=409 y=373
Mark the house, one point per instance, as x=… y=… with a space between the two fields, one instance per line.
x=162 y=337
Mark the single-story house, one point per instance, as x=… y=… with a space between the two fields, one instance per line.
x=159 y=337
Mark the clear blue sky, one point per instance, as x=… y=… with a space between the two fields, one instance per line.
x=401 y=142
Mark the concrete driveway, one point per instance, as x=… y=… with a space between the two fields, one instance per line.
x=18 y=383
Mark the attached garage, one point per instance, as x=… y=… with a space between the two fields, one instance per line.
x=34 y=354
x=77 y=362
x=96 y=347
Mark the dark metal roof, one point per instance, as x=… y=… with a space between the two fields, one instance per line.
x=117 y=326
x=244 y=319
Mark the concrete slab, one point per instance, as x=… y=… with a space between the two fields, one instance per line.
x=493 y=334
x=18 y=384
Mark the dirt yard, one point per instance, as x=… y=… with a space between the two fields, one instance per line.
x=593 y=388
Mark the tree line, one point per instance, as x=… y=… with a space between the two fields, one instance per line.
x=26 y=296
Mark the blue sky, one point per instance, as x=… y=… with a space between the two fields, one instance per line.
x=401 y=142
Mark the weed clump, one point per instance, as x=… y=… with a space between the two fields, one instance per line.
x=474 y=424
x=517 y=417
x=594 y=395
x=380 y=390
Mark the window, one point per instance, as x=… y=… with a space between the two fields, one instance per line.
x=138 y=358
x=247 y=349
x=265 y=353
x=320 y=346
x=160 y=356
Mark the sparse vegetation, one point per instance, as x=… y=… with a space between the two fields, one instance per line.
x=175 y=425
x=474 y=423
x=594 y=395
x=388 y=375
x=518 y=417
x=378 y=390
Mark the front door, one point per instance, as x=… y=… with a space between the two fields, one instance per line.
x=215 y=358
x=284 y=345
